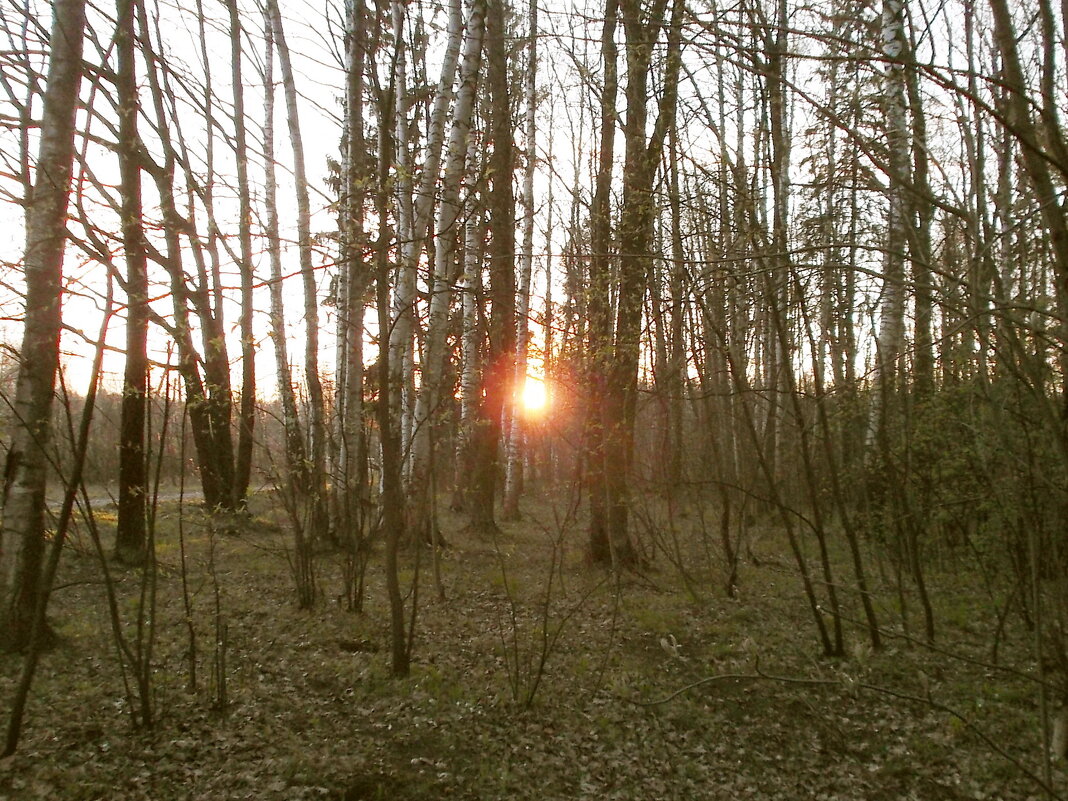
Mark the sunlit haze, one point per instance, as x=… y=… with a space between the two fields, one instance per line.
x=535 y=396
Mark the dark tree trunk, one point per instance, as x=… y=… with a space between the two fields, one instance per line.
x=133 y=480
x=387 y=413
x=247 y=412
x=1036 y=163
x=354 y=280
x=635 y=247
x=499 y=369
x=599 y=311
x=207 y=401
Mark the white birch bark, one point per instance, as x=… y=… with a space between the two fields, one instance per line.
x=247 y=414
x=354 y=277
x=470 y=364
x=290 y=418
x=891 y=336
x=423 y=206
x=415 y=209
x=316 y=410
x=402 y=358
x=513 y=479
x=445 y=233
x=548 y=320
x=22 y=538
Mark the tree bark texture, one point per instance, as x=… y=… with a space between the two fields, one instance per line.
x=25 y=469
x=130 y=530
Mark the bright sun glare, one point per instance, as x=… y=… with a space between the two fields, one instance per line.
x=535 y=395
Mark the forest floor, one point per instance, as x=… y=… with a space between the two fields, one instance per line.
x=651 y=685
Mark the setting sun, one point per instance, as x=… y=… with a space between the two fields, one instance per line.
x=535 y=396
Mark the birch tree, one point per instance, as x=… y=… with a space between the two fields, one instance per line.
x=415 y=214
x=402 y=329
x=246 y=418
x=319 y=520
x=514 y=453
x=350 y=472
x=470 y=334
x=205 y=380
x=891 y=338
x=297 y=481
x=22 y=534
x=447 y=229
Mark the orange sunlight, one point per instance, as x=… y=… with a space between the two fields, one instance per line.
x=535 y=396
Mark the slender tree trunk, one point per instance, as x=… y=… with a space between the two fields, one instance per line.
x=392 y=517
x=319 y=522
x=982 y=271
x=416 y=203
x=247 y=411
x=25 y=470
x=514 y=449
x=207 y=300
x=599 y=305
x=296 y=467
x=657 y=314
x=206 y=401
x=402 y=330
x=676 y=348
x=547 y=455
x=778 y=345
x=890 y=343
x=133 y=485
x=351 y=471
x=446 y=272
x=635 y=242
x=499 y=367
x=470 y=341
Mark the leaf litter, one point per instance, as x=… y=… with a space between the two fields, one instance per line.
x=516 y=692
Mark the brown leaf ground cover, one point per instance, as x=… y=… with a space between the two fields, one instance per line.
x=522 y=687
